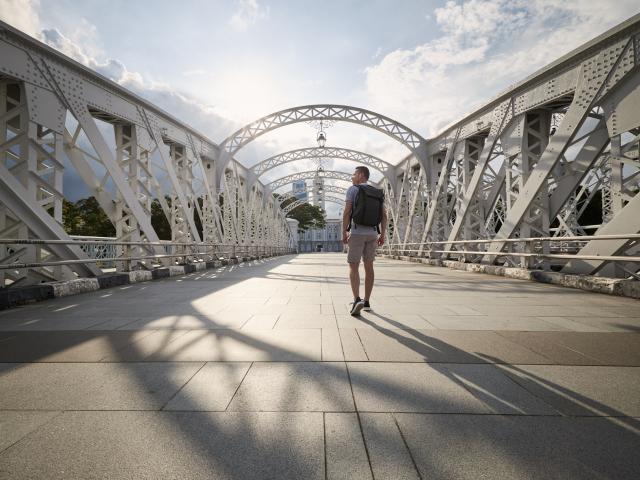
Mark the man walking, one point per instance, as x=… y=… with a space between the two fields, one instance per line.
x=364 y=224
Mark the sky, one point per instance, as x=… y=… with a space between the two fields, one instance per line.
x=219 y=64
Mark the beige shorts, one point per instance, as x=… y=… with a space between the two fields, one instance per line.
x=362 y=247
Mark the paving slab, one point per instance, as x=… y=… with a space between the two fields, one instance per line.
x=211 y=388
x=331 y=345
x=388 y=452
x=508 y=447
x=288 y=320
x=492 y=322
x=444 y=346
x=499 y=392
x=262 y=321
x=213 y=321
x=91 y=386
x=242 y=345
x=582 y=390
x=64 y=346
x=582 y=348
x=352 y=345
x=16 y=425
x=152 y=445
x=376 y=320
x=410 y=387
x=345 y=451
x=294 y=386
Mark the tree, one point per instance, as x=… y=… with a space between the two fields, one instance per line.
x=159 y=220
x=307 y=215
x=86 y=217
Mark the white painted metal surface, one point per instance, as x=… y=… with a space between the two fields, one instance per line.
x=530 y=163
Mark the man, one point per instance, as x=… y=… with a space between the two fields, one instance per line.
x=362 y=241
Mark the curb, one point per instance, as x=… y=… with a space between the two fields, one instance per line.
x=610 y=286
x=11 y=297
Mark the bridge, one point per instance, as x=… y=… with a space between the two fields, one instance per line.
x=221 y=353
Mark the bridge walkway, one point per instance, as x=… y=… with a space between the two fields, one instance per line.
x=257 y=371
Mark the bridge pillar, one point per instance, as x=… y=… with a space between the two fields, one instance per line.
x=31 y=156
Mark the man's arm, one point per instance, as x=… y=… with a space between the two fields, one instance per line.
x=346 y=220
x=383 y=227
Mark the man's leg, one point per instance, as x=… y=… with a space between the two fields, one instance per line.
x=354 y=278
x=368 y=279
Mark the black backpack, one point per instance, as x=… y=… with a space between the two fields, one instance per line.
x=367 y=208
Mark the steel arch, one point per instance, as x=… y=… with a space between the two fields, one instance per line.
x=326 y=152
x=327 y=189
x=292 y=206
x=403 y=134
x=327 y=174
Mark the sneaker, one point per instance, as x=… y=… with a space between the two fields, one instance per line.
x=366 y=307
x=356 y=306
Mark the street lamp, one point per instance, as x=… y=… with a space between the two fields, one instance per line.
x=322 y=137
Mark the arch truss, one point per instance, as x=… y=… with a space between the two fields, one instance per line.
x=293 y=205
x=307 y=113
x=325 y=152
x=341 y=191
x=327 y=174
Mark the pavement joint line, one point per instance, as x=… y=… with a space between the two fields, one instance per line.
x=238 y=387
x=395 y=412
x=362 y=343
x=325 y=361
x=406 y=445
x=182 y=386
x=533 y=394
x=355 y=406
x=53 y=417
x=324 y=442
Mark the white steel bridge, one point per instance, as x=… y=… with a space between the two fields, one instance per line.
x=507 y=184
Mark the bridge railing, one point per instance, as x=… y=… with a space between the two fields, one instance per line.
x=103 y=251
x=547 y=253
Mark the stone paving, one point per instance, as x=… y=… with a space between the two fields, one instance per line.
x=257 y=371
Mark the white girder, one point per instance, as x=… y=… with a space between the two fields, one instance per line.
x=126 y=178
x=293 y=205
x=307 y=113
x=326 y=152
x=326 y=188
x=327 y=174
x=498 y=173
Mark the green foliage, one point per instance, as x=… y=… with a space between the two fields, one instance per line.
x=307 y=215
x=159 y=221
x=85 y=217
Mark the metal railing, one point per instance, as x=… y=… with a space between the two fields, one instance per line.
x=530 y=252
x=103 y=250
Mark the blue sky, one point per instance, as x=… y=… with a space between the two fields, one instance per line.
x=220 y=64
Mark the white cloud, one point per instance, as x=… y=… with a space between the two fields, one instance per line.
x=485 y=46
x=22 y=14
x=248 y=12
x=179 y=104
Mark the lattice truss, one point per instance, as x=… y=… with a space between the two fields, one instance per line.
x=132 y=157
x=327 y=198
x=309 y=113
x=531 y=163
x=319 y=153
x=327 y=174
x=340 y=191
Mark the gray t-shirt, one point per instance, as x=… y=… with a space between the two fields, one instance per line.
x=352 y=193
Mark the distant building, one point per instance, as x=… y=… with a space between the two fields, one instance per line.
x=327 y=239
x=299 y=190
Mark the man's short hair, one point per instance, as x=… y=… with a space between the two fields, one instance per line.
x=364 y=170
